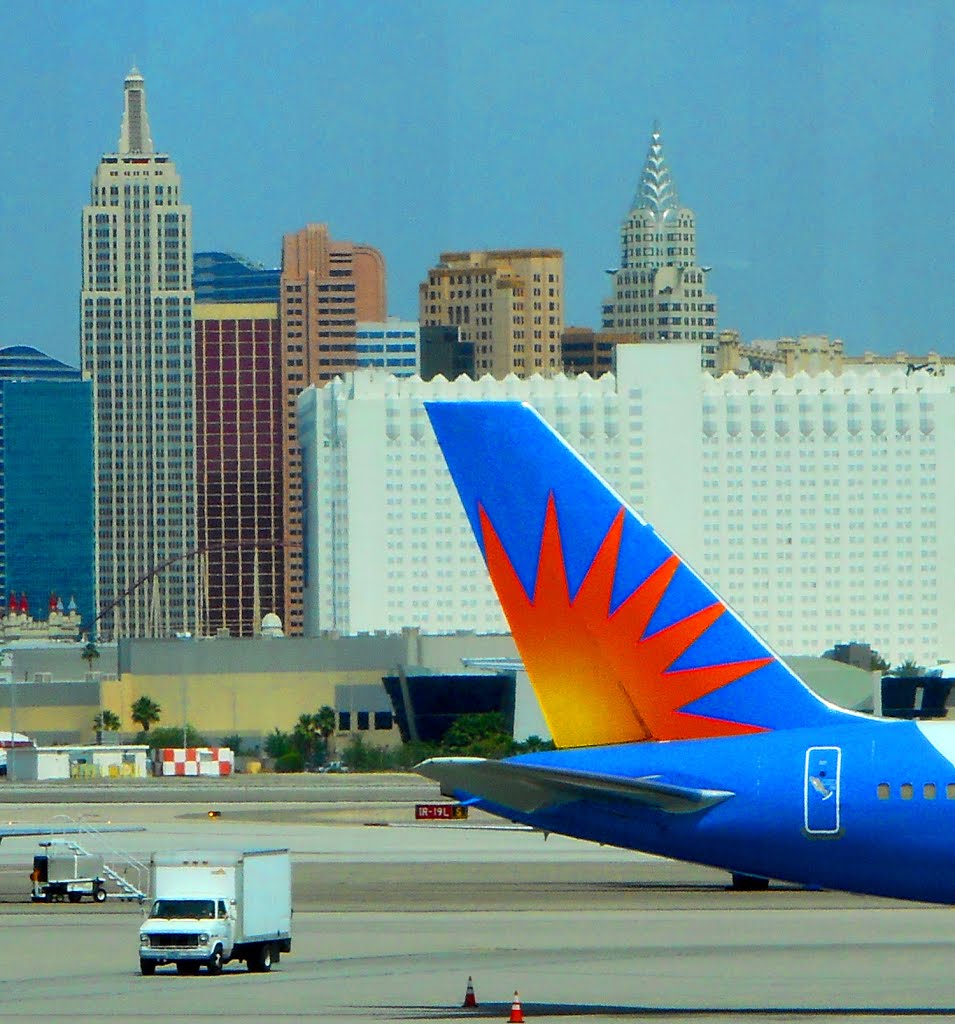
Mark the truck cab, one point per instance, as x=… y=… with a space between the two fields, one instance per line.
x=188 y=932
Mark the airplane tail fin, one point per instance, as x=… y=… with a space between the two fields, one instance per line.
x=621 y=639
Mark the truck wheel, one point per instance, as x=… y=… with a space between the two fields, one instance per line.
x=147 y=967
x=260 y=958
x=214 y=963
x=74 y=897
x=99 y=895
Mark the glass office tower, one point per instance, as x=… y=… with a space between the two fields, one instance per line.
x=48 y=491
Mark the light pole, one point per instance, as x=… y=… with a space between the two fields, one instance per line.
x=11 y=761
x=185 y=692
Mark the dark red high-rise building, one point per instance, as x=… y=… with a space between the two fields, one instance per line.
x=239 y=463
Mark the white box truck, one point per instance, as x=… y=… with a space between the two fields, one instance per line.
x=210 y=907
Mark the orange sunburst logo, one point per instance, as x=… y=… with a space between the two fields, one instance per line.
x=599 y=678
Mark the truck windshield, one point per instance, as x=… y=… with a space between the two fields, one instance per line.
x=200 y=909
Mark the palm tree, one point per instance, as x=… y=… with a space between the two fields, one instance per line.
x=909 y=667
x=306 y=731
x=105 y=720
x=325 y=722
x=89 y=654
x=145 y=712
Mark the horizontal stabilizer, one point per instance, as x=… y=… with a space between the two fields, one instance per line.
x=52 y=831
x=529 y=788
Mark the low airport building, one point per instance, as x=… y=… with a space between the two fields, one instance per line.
x=231 y=686
x=384 y=687
x=113 y=761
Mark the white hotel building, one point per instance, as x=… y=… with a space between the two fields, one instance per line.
x=817 y=506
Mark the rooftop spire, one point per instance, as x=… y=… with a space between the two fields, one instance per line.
x=134 y=134
x=657 y=190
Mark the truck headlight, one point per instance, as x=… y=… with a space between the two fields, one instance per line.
x=203 y=939
x=144 y=940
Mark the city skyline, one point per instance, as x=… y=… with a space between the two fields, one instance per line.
x=813 y=143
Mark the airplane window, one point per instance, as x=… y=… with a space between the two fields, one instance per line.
x=906 y=790
x=883 y=791
x=950 y=791
x=928 y=791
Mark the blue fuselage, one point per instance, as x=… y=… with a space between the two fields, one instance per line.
x=868 y=806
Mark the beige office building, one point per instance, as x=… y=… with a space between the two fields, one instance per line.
x=584 y=350
x=814 y=354
x=137 y=350
x=508 y=302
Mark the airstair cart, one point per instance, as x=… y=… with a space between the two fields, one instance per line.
x=64 y=871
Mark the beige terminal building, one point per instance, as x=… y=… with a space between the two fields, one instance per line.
x=224 y=686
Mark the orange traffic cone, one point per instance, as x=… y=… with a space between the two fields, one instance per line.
x=517 y=1014
x=469 y=999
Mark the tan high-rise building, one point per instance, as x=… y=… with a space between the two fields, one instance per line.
x=326 y=288
x=584 y=350
x=508 y=302
x=137 y=350
x=814 y=354
x=659 y=289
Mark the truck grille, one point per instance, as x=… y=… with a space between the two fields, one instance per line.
x=174 y=940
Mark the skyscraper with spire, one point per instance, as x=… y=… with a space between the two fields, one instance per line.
x=137 y=349
x=659 y=290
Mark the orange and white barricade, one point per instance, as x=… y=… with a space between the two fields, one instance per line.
x=193 y=761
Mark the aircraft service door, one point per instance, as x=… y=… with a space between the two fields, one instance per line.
x=821 y=799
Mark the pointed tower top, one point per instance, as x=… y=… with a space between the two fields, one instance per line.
x=134 y=134
x=657 y=189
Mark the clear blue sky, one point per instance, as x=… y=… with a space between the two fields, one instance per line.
x=815 y=142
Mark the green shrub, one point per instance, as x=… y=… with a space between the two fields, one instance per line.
x=171 y=736
x=414 y=752
x=363 y=757
x=293 y=761
x=234 y=743
x=277 y=744
x=532 y=745
x=478 y=735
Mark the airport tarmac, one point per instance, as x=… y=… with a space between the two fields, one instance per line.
x=392 y=918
